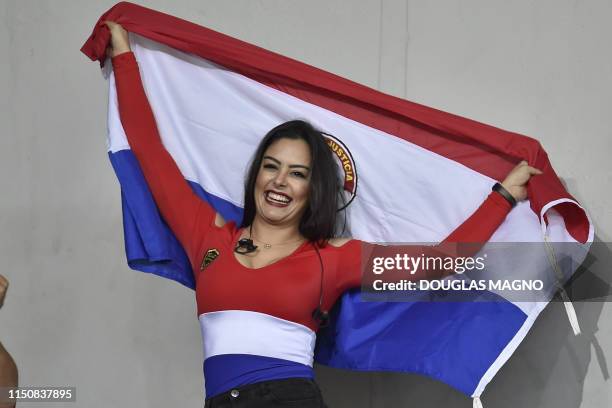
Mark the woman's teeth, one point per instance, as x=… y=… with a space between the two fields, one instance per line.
x=277 y=198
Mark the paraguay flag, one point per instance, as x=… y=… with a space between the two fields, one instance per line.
x=414 y=174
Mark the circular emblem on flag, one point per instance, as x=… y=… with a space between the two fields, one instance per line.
x=348 y=170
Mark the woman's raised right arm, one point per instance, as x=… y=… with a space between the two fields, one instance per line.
x=177 y=203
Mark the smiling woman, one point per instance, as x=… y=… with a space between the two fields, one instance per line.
x=258 y=327
x=292 y=181
x=283 y=181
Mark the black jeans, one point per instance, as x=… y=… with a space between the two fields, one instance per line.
x=290 y=392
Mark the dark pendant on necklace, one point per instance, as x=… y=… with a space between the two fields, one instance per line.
x=267 y=246
x=245 y=246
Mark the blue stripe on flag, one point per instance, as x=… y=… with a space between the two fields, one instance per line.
x=454 y=342
x=150 y=245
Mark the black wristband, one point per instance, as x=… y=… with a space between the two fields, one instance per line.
x=504 y=193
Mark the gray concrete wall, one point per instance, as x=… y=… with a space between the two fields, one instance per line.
x=75 y=314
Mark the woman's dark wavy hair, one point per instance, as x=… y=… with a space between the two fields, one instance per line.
x=318 y=223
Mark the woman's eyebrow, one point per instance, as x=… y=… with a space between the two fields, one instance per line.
x=273 y=159
x=293 y=166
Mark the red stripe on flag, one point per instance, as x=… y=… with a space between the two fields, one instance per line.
x=483 y=148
